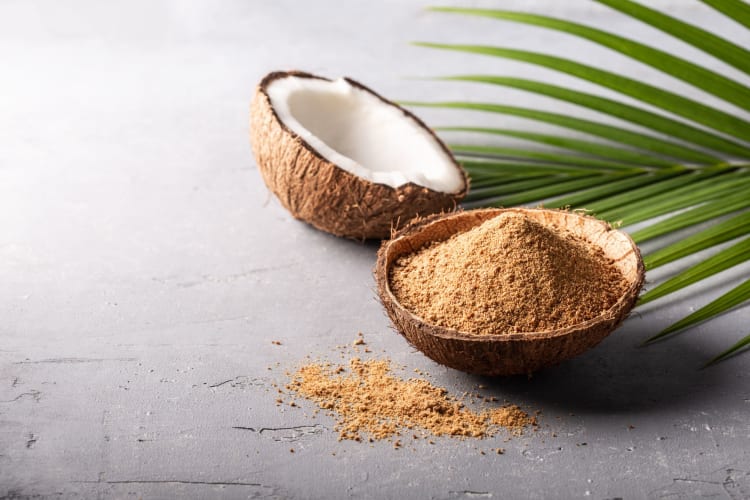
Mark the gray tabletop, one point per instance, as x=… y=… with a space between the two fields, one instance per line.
x=145 y=271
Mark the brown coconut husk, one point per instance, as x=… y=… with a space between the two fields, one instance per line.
x=512 y=353
x=319 y=192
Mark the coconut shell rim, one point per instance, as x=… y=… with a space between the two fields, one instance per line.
x=619 y=309
x=275 y=75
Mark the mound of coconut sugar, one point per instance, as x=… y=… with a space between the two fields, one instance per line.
x=371 y=402
x=510 y=274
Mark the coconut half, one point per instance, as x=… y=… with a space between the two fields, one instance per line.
x=508 y=353
x=346 y=160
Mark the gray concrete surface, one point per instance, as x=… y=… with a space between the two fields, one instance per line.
x=145 y=271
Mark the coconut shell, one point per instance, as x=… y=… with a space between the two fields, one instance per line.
x=330 y=198
x=512 y=353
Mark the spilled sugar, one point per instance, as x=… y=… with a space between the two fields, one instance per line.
x=371 y=403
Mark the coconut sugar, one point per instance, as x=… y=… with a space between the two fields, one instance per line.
x=509 y=274
x=371 y=402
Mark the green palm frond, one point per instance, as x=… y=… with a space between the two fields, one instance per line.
x=591 y=148
x=689 y=166
x=702 y=78
x=731 y=299
x=669 y=101
x=740 y=346
x=734 y=9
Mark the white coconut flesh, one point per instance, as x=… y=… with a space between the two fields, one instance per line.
x=362 y=134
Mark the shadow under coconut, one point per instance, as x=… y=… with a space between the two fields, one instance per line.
x=617 y=376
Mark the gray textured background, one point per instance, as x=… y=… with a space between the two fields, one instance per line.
x=145 y=270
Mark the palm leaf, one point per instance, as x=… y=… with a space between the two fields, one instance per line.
x=580 y=146
x=702 y=78
x=667 y=192
x=626 y=186
x=676 y=199
x=689 y=166
x=701 y=213
x=488 y=194
x=479 y=166
x=603 y=130
x=718 y=47
x=730 y=257
x=639 y=116
x=732 y=298
x=735 y=349
x=735 y=227
x=734 y=9
x=558 y=187
x=496 y=151
x=649 y=94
